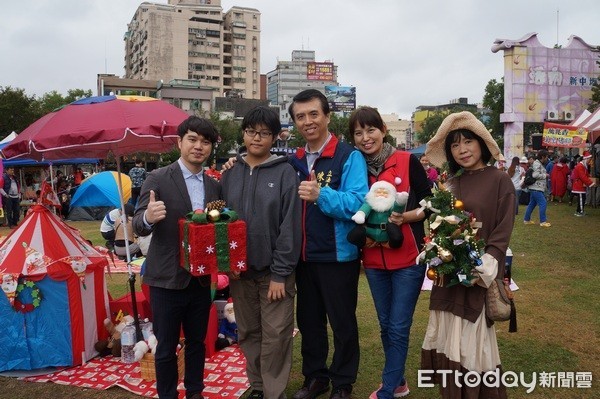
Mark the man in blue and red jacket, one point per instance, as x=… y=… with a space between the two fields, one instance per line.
x=333 y=187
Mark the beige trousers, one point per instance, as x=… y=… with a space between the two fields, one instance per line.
x=265 y=333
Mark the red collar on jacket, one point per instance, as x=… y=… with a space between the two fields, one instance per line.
x=328 y=151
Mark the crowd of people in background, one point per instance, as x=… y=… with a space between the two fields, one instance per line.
x=53 y=189
x=560 y=178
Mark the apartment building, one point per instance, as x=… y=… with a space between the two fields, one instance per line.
x=398 y=128
x=196 y=40
x=291 y=77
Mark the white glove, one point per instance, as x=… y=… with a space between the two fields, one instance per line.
x=359 y=217
x=402 y=198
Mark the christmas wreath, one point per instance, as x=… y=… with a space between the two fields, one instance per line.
x=35 y=294
x=452 y=248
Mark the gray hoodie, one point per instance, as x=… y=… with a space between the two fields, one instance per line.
x=266 y=198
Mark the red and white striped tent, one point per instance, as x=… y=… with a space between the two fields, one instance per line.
x=55 y=298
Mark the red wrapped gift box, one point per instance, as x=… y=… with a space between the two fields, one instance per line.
x=210 y=247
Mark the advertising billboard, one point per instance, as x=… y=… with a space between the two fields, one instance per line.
x=319 y=70
x=341 y=98
x=557 y=135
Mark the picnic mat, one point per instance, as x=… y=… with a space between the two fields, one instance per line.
x=117 y=265
x=224 y=375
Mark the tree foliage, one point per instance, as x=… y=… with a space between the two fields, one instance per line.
x=296 y=140
x=430 y=126
x=493 y=99
x=230 y=136
x=53 y=101
x=338 y=125
x=17 y=110
x=595 y=100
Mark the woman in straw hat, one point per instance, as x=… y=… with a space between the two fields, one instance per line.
x=394 y=277
x=459 y=338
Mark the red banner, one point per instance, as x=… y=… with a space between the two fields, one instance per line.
x=557 y=135
x=47 y=196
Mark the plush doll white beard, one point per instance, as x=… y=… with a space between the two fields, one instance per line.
x=229 y=313
x=380 y=203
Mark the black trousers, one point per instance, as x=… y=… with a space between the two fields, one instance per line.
x=11 y=210
x=581 y=197
x=328 y=291
x=173 y=309
x=135 y=193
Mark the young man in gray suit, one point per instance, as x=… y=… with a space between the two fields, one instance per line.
x=177 y=299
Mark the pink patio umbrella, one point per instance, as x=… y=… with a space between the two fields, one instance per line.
x=97 y=126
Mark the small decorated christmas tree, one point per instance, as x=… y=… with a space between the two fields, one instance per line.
x=452 y=248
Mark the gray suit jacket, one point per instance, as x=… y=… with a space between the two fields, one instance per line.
x=162 y=261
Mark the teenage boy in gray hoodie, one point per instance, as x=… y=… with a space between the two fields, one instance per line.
x=262 y=188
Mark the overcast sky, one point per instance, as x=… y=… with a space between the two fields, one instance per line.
x=398 y=53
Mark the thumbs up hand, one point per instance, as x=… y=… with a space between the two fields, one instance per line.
x=309 y=190
x=156 y=210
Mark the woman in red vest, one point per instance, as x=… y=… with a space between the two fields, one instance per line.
x=394 y=277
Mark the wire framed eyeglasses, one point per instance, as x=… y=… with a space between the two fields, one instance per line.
x=263 y=133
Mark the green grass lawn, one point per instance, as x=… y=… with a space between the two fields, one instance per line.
x=558 y=309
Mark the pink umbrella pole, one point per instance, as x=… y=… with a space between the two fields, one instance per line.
x=136 y=318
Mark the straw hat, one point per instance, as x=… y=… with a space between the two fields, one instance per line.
x=460 y=120
x=524 y=160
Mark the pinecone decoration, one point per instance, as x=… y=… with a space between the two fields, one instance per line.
x=215 y=205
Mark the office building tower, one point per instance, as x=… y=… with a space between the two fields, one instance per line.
x=194 y=40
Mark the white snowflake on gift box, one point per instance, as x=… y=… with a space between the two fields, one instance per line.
x=210 y=249
x=241 y=265
x=201 y=269
x=233 y=245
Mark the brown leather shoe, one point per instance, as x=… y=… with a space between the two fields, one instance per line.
x=312 y=390
x=341 y=393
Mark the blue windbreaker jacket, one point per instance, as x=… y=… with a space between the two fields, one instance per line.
x=342 y=175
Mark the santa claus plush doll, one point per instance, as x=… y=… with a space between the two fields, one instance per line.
x=228 y=333
x=374 y=227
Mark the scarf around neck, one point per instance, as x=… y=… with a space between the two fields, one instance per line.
x=375 y=162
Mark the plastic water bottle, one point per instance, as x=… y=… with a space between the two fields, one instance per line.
x=127 y=343
x=147 y=329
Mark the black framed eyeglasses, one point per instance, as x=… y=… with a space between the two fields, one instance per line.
x=263 y=133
